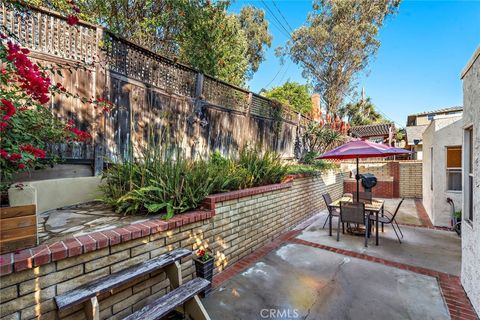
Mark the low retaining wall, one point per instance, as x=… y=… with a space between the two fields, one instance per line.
x=232 y=224
x=55 y=193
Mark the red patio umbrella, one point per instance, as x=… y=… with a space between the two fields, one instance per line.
x=356 y=149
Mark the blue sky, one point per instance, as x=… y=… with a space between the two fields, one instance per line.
x=417 y=68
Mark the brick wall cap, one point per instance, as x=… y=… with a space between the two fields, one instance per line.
x=220 y=197
x=73 y=246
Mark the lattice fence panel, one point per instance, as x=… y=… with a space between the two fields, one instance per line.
x=48 y=33
x=224 y=95
x=262 y=107
x=141 y=64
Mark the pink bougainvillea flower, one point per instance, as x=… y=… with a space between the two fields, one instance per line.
x=37 y=153
x=3 y=153
x=15 y=157
x=79 y=135
x=72 y=20
x=21 y=166
x=8 y=107
x=31 y=79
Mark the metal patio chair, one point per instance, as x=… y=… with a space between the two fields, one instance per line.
x=353 y=213
x=332 y=212
x=390 y=219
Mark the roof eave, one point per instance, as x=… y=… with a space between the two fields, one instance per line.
x=470 y=63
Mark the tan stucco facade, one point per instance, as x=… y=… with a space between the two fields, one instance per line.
x=443 y=132
x=471 y=229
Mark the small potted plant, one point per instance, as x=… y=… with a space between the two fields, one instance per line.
x=204 y=267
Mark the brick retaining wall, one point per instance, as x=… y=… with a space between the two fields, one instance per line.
x=411 y=179
x=395 y=178
x=233 y=225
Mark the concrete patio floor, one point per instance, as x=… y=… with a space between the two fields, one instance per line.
x=297 y=281
x=438 y=250
x=408 y=211
x=301 y=282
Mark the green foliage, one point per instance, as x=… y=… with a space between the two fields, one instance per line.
x=319 y=139
x=255 y=27
x=458 y=214
x=361 y=113
x=156 y=183
x=314 y=169
x=336 y=43
x=400 y=135
x=200 y=33
x=27 y=124
x=292 y=94
x=309 y=164
x=262 y=168
x=214 y=42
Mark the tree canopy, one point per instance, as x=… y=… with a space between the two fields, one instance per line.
x=199 y=33
x=336 y=43
x=255 y=27
x=361 y=113
x=292 y=94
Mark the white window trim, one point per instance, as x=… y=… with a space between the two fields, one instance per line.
x=453 y=169
x=468 y=131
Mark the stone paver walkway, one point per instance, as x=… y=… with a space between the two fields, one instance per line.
x=73 y=221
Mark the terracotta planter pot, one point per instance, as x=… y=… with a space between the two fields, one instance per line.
x=204 y=269
x=18 y=228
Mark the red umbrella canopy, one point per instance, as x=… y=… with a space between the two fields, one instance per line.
x=362 y=149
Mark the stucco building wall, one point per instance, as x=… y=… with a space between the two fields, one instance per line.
x=443 y=132
x=471 y=231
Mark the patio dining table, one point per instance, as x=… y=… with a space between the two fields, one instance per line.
x=376 y=206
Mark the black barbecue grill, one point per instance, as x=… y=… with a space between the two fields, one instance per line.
x=368 y=181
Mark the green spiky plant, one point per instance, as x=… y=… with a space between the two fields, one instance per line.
x=157 y=182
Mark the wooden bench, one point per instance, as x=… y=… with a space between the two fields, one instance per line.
x=180 y=294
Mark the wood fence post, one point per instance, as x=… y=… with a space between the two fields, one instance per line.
x=100 y=87
x=249 y=102
x=199 y=85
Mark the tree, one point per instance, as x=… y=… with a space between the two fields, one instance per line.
x=320 y=138
x=292 y=94
x=214 y=42
x=361 y=113
x=255 y=27
x=199 y=33
x=337 y=43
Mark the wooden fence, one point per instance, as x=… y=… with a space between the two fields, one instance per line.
x=155 y=98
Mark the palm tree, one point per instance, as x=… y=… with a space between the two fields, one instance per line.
x=361 y=113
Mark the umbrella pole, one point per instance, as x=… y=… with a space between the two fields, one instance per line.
x=357 y=176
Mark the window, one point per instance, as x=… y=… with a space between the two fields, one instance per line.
x=430 y=117
x=454 y=168
x=469 y=174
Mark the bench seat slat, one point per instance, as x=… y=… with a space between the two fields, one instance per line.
x=162 y=306
x=104 y=284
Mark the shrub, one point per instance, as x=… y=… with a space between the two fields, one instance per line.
x=261 y=168
x=156 y=183
x=27 y=125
